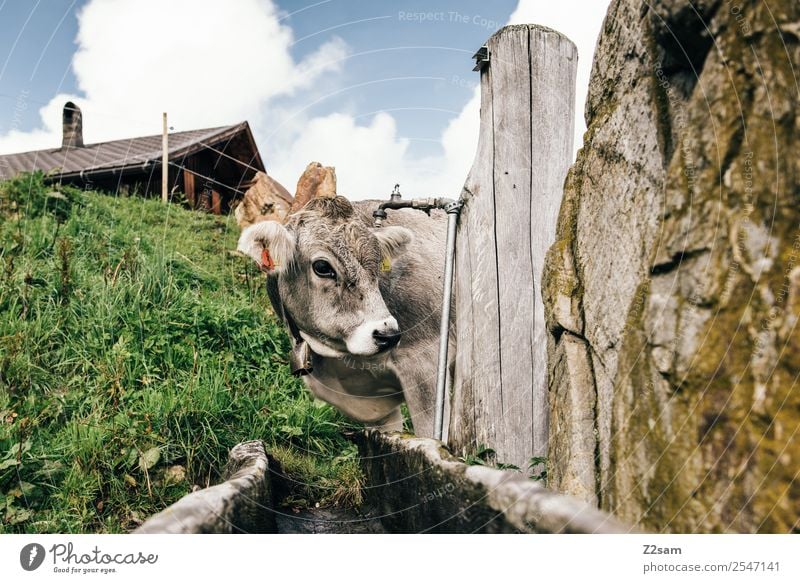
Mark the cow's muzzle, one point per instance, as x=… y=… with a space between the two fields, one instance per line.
x=386 y=340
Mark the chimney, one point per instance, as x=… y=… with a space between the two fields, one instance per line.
x=72 y=126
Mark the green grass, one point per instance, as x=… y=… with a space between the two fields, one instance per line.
x=135 y=351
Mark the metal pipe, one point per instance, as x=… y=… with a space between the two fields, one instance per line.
x=453 y=209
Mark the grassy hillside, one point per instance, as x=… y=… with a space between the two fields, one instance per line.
x=135 y=350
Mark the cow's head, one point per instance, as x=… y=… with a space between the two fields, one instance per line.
x=327 y=260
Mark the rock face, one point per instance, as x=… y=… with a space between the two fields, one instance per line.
x=268 y=200
x=265 y=200
x=672 y=292
x=316 y=181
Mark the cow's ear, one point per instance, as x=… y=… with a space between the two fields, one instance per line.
x=269 y=244
x=393 y=240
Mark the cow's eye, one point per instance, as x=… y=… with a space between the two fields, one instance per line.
x=323 y=269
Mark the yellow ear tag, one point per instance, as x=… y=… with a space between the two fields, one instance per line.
x=386 y=264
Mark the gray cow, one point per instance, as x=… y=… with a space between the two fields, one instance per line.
x=366 y=300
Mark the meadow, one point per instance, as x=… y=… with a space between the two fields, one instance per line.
x=135 y=350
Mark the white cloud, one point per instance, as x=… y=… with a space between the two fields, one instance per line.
x=48 y=136
x=580 y=21
x=138 y=58
x=373 y=156
x=229 y=65
x=460 y=137
x=365 y=156
x=369 y=158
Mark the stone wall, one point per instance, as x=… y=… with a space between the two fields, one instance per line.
x=673 y=289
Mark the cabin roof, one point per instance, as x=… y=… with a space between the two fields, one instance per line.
x=123 y=154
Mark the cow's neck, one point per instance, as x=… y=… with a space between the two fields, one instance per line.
x=301 y=359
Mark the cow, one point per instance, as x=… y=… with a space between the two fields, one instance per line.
x=366 y=300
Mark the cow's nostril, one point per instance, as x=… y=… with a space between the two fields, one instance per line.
x=386 y=340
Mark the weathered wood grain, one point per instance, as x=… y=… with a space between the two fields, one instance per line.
x=475 y=284
x=513 y=193
x=513 y=215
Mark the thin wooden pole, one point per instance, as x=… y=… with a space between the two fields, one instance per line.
x=164 y=160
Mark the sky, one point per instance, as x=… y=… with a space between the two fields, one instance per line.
x=382 y=90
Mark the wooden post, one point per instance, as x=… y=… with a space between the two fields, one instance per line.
x=188 y=187
x=164 y=161
x=216 y=202
x=513 y=194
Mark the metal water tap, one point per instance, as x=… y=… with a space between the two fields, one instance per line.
x=422 y=204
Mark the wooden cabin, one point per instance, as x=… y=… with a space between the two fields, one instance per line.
x=212 y=168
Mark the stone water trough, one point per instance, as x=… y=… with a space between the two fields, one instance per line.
x=413 y=485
